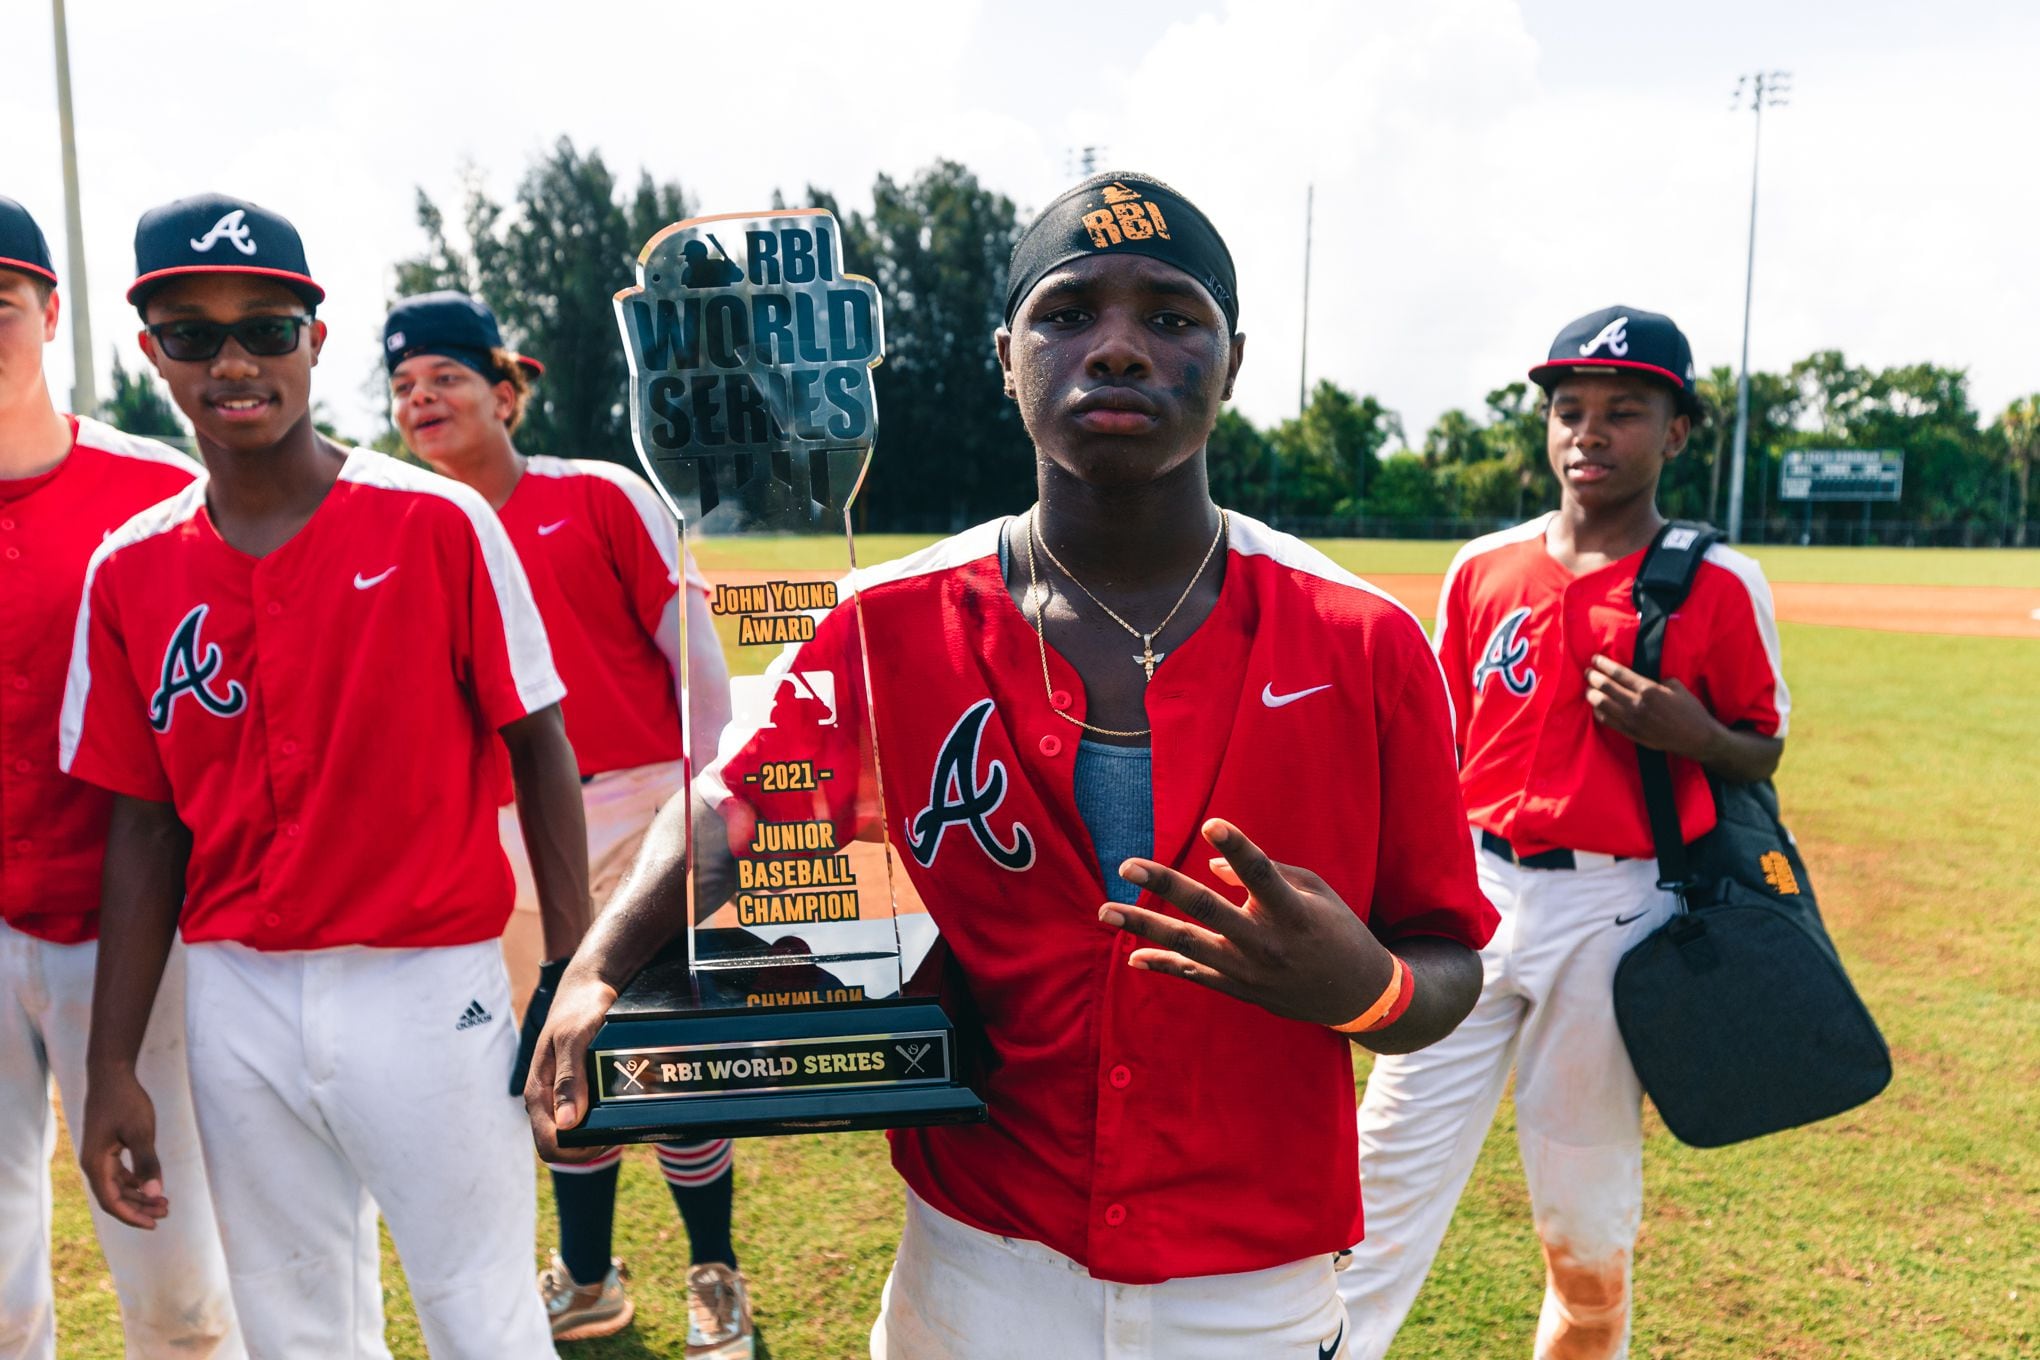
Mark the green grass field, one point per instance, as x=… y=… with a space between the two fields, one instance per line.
x=1907 y=1230
x=1395 y=556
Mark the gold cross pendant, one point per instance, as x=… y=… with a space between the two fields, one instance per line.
x=1149 y=658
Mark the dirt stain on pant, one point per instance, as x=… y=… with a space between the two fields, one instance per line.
x=1591 y=1317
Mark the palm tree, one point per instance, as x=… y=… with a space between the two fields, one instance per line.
x=2021 y=424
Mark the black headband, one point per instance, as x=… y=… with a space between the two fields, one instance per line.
x=1122 y=214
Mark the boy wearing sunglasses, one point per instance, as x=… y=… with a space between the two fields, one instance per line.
x=65 y=482
x=611 y=579
x=292 y=676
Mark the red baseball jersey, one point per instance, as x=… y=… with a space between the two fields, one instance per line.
x=323 y=718
x=1516 y=634
x=1141 y=1125
x=603 y=555
x=53 y=827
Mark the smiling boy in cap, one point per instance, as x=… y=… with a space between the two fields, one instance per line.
x=65 y=483
x=1535 y=625
x=607 y=568
x=292 y=676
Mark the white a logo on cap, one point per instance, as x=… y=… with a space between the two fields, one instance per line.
x=1615 y=335
x=228 y=228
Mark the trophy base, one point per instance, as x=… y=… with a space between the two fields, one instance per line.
x=667 y=1067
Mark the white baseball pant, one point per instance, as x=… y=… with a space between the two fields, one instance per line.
x=1547 y=1004
x=172 y=1282
x=956 y=1293
x=330 y=1083
x=620 y=805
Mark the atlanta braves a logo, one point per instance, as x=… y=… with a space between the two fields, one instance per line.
x=189 y=669
x=955 y=797
x=229 y=228
x=1506 y=650
x=1615 y=335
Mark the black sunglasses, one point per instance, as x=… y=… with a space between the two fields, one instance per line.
x=258 y=336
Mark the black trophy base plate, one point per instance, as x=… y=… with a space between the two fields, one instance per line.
x=653 y=1068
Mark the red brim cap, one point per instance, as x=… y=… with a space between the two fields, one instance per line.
x=529 y=365
x=27 y=267
x=301 y=284
x=1548 y=373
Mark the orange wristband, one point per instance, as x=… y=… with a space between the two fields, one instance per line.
x=1389 y=1006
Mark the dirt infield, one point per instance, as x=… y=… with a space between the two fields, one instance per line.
x=1972 y=611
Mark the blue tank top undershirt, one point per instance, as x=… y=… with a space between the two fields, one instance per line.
x=1115 y=798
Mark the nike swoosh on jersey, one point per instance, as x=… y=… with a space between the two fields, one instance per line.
x=365 y=582
x=547 y=530
x=1274 y=700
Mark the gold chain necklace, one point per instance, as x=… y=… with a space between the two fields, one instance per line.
x=1149 y=657
x=1039 y=598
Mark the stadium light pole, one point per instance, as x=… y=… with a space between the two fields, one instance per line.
x=1303 y=346
x=84 y=394
x=1763 y=89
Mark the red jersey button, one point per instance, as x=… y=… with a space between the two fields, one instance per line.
x=1122 y=1076
x=6 y=524
x=1051 y=746
x=289 y=747
x=270 y=918
x=14 y=554
x=21 y=682
x=293 y=830
x=1059 y=698
x=22 y=847
x=274 y=609
x=21 y=767
x=1115 y=1214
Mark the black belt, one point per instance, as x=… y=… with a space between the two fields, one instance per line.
x=1543 y=859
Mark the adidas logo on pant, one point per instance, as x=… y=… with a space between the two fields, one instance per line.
x=472 y=1016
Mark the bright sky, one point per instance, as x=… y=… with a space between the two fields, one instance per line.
x=1485 y=169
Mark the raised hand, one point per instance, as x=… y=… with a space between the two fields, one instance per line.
x=1293 y=947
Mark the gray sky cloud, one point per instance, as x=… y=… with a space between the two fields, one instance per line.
x=1485 y=169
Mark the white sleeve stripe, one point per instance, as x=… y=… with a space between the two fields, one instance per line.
x=160 y=518
x=1745 y=569
x=531 y=665
x=97 y=434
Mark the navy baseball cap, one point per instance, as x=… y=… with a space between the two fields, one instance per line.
x=450 y=324
x=216 y=234
x=1617 y=339
x=22 y=245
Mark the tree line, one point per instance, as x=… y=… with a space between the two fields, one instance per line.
x=952 y=450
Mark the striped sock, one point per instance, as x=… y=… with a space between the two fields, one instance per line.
x=704 y=1191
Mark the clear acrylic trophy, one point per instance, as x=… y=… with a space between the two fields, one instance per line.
x=808 y=990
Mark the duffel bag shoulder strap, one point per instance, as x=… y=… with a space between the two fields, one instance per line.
x=1662 y=584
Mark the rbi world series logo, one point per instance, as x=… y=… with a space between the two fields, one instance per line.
x=1507 y=650
x=955 y=798
x=188 y=668
x=751 y=352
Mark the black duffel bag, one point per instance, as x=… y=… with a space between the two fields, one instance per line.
x=1737 y=1013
